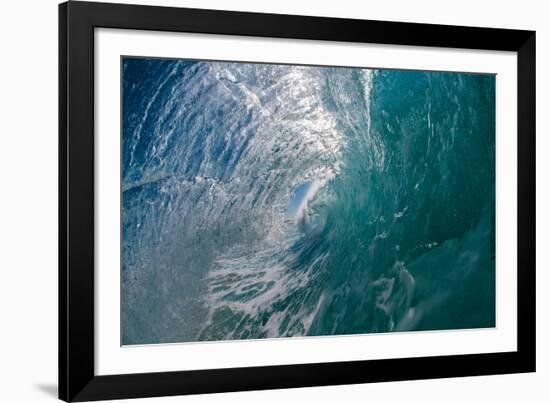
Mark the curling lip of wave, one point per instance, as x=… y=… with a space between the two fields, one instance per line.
x=214 y=158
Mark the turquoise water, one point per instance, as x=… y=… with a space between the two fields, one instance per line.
x=272 y=201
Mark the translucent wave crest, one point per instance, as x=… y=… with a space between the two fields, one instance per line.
x=272 y=200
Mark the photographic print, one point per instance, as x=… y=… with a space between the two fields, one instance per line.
x=269 y=200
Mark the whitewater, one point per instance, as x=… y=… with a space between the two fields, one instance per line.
x=263 y=200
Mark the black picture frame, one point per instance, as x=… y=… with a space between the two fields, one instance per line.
x=77 y=378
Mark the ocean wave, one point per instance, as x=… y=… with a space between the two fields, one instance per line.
x=273 y=200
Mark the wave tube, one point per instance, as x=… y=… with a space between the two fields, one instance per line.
x=264 y=200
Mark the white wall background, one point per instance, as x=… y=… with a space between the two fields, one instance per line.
x=28 y=199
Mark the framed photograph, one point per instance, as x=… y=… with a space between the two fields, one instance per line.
x=256 y=201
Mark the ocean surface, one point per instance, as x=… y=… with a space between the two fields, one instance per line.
x=264 y=201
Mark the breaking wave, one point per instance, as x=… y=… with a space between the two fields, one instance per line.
x=272 y=200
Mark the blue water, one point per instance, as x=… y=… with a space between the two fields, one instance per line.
x=271 y=201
